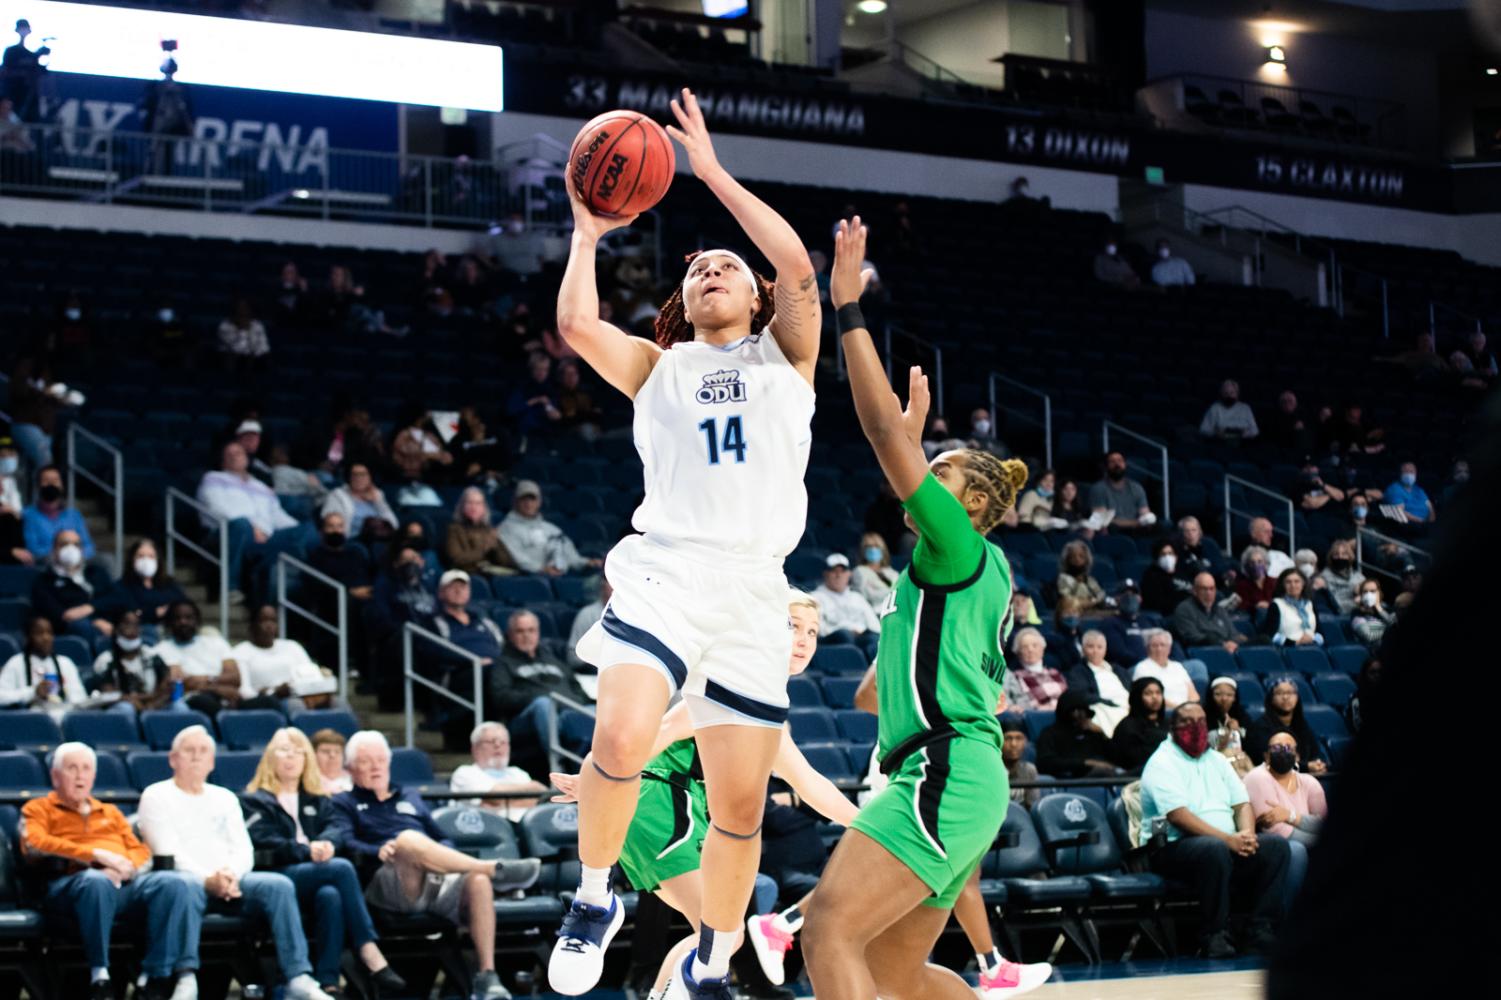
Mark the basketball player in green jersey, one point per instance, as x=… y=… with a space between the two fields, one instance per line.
x=887 y=891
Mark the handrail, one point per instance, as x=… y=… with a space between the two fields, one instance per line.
x=283 y=605
x=1167 y=503
x=116 y=490
x=1406 y=547
x=176 y=496
x=1291 y=532
x=409 y=676
x=1434 y=306
x=892 y=330
x=1047 y=412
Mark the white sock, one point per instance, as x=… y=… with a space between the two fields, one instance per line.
x=594 y=885
x=711 y=959
x=100 y=975
x=790 y=920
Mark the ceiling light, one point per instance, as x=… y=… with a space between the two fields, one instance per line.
x=871 y=6
x=1276 y=54
x=1492 y=71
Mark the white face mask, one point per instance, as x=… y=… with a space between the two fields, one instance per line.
x=1110 y=249
x=1168 y=562
x=1368 y=598
x=165 y=315
x=128 y=645
x=1307 y=569
x=9 y=464
x=145 y=567
x=982 y=426
x=73 y=315
x=1164 y=253
x=69 y=556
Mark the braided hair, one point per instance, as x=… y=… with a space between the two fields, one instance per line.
x=1000 y=479
x=672 y=325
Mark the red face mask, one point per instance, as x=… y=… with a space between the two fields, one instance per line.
x=1192 y=739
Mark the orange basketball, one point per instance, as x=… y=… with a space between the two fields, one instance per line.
x=622 y=163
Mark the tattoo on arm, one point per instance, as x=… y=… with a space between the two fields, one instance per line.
x=793 y=305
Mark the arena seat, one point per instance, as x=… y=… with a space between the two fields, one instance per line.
x=147 y=767
x=22 y=773
x=249 y=729
x=829 y=759
x=550 y=830
x=161 y=726
x=1030 y=898
x=411 y=767
x=1307 y=660
x=337 y=719
x=839 y=692
x=1325 y=722
x=1264 y=661
x=104 y=731
x=1037 y=720
x=803 y=692
x=1334 y=689
x=1349 y=659
x=856 y=726
x=812 y=725
x=30 y=730
x=838 y=660
x=1216 y=660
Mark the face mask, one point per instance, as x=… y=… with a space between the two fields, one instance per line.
x=1130 y=604
x=1167 y=562
x=1359 y=512
x=128 y=645
x=982 y=426
x=873 y=554
x=1045 y=494
x=418 y=542
x=1228 y=401
x=145 y=568
x=333 y=539
x=497 y=769
x=69 y=556
x=411 y=574
x=1409 y=480
x=1164 y=253
x=1258 y=570
x=73 y=315
x=1307 y=569
x=516 y=228
x=1022 y=190
x=50 y=493
x=1340 y=563
x=1368 y=599
x=1193 y=739
x=1281 y=759
x=1110 y=249
x=9 y=465
x=1069 y=622
x=166 y=315
x=1462 y=475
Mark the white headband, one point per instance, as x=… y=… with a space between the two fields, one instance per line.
x=744 y=269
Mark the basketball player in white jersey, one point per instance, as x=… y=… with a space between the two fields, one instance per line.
x=723 y=407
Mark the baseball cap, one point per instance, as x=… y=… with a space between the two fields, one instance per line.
x=1127 y=585
x=528 y=488
x=248 y=427
x=837 y=559
x=452 y=576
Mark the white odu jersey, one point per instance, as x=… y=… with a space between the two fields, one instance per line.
x=724 y=434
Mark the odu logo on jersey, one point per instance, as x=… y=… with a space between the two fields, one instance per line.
x=723 y=386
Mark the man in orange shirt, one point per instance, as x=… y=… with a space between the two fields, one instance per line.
x=95 y=865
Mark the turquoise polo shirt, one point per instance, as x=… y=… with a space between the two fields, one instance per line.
x=1208 y=787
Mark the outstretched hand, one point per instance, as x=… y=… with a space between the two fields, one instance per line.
x=915 y=416
x=585 y=220
x=566 y=784
x=847 y=280
x=693 y=135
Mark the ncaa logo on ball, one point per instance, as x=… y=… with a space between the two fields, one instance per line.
x=612 y=176
x=723 y=386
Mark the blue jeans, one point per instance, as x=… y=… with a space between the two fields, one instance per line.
x=544 y=724
x=243 y=547
x=331 y=891
x=267 y=896
x=156 y=901
x=1297 y=868
x=764 y=893
x=34 y=443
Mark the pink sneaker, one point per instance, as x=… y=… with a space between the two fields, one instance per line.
x=1011 y=979
x=771 y=943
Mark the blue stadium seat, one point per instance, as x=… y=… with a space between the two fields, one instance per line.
x=111 y=777
x=574 y=590
x=550 y=832
x=803 y=692
x=1261 y=660
x=250 y=729
x=10 y=645
x=17 y=579
x=1349 y=659
x=521 y=591
x=1026 y=542
x=812 y=725
x=1042 y=569
x=337 y=719
x=1339 y=751
x=27 y=730
x=839 y=692
x=829 y=759
x=1199 y=673
x=13 y=613
x=477 y=832
x=838 y=660
x=1248 y=689
x=159 y=727
x=77 y=649
x=1076 y=834
x=233 y=769
x=1334 y=689
x=1335 y=629
x=1017 y=866
x=1218 y=662
x=109 y=731
x=21 y=772
x=860 y=757
x=1307 y=660
x=1037 y=721
x=479 y=588
x=1114 y=547
x=1326 y=722
x=411 y=766
x=147 y=767
x=856 y=726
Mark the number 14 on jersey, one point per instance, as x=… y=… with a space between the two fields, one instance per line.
x=733 y=440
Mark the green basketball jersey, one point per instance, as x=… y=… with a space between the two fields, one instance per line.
x=943 y=627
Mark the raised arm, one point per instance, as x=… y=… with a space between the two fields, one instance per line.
x=620 y=359
x=895 y=434
x=797 y=317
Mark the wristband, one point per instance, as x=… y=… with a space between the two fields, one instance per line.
x=849 y=317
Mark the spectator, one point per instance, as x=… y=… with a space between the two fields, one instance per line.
x=1229 y=420
x=470 y=286
x=1313 y=493
x=1032 y=685
x=201 y=827
x=1069 y=504
x=203 y=662
x=1291 y=619
x=1201 y=621
x=13 y=549
x=982 y=434
x=1074 y=746
x=519 y=689
x=294 y=486
x=342 y=307
x=533 y=405
x=482 y=456
x=1121 y=498
x=517 y=249
x=1342 y=578
x=1360 y=511
x=1284 y=714
x=1170 y=271
x=1074 y=580
x=472 y=544
x=1255 y=586
x=1162 y=589
x=38 y=677
x=94 y=867
x=1125 y=631
x=350 y=439
x=1422 y=360
x=1036 y=505
x=1228 y=722
x=1212 y=842
x=404 y=592
x=362 y=505
x=383 y=826
x=333 y=557
x=1261 y=532
x=35 y=398
x=579 y=413
x=1197 y=552
x=1289 y=804
x=328 y=750
x=1407 y=495
x=1177 y=687
x=473 y=632
x=492 y=773
x=585 y=618
x=289 y=299
x=131 y=669
x=51 y=514
x=845 y=617
x=1023 y=611
x=1482 y=361
x=1067 y=641
x=1367 y=694
x=144 y=586
x=1287 y=430
x=1104 y=685
x=1459 y=478
x=535 y=543
x=286 y=812
x=1013 y=748
x=875 y=576
x=1349 y=434
x=1371 y=619
x=14 y=139
x=64 y=593
x=259 y=529
x=416 y=448
x=248 y=433
x=243 y=343
x=278 y=673
x=1138 y=735
x=1113 y=269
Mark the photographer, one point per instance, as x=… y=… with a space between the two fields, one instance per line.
x=21 y=73
x=166 y=111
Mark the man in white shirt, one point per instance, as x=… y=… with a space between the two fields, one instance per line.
x=205 y=663
x=1277 y=562
x=844 y=616
x=1229 y=419
x=1170 y=271
x=1177 y=687
x=278 y=673
x=201 y=828
x=538 y=545
x=258 y=528
x=492 y=772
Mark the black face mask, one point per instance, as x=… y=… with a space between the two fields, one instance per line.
x=418 y=542
x=1340 y=563
x=410 y=574
x=333 y=539
x=50 y=493
x=1229 y=401
x=1130 y=605
x=1281 y=759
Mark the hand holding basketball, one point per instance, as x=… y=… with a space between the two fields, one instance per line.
x=587 y=222
x=693 y=134
x=846 y=280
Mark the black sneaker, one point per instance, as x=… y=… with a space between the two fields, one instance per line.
x=159 y=988
x=102 y=989
x=1218 y=946
x=1260 y=940
x=386 y=983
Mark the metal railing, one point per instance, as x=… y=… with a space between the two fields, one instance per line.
x=1393 y=552
x=115 y=487
x=1163 y=476
x=893 y=331
x=1231 y=513
x=340 y=629
x=175 y=538
x=557 y=747
x=1046 y=423
x=410 y=677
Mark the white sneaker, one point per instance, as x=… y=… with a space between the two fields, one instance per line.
x=187 y=987
x=771 y=940
x=578 y=958
x=1010 y=979
x=305 y=987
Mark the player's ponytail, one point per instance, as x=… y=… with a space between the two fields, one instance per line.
x=672 y=326
x=1001 y=480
